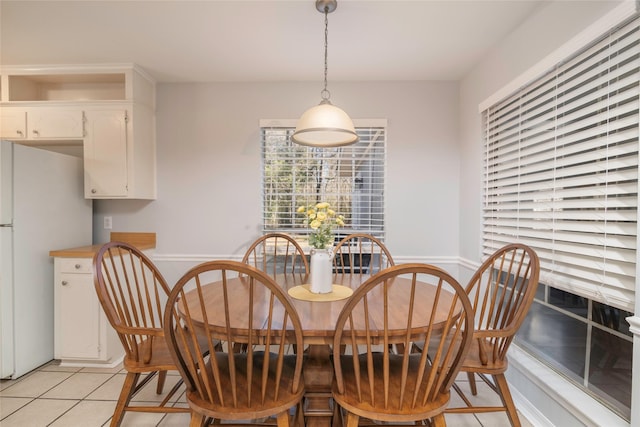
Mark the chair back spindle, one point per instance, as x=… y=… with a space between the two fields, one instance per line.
x=277 y=253
x=132 y=293
x=502 y=291
x=361 y=253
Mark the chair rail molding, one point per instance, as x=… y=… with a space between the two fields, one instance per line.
x=196 y=258
x=452 y=261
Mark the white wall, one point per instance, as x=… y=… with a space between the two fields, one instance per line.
x=209 y=166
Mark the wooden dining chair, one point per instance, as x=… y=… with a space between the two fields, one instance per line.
x=501 y=292
x=277 y=253
x=132 y=292
x=406 y=303
x=361 y=253
x=266 y=379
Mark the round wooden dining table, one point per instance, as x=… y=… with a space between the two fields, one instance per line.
x=318 y=320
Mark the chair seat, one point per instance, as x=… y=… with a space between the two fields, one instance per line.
x=473 y=362
x=161 y=359
x=245 y=409
x=395 y=410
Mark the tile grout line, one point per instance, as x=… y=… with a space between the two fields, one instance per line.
x=20 y=407
x=59 y=416
x=41 y=396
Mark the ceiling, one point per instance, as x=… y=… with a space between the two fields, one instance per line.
x=265 y=40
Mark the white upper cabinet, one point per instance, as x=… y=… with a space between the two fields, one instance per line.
x=105 y=153
x=116 y=152
x=41 y=123
x=107 y=111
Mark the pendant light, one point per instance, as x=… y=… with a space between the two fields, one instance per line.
x=325 y=125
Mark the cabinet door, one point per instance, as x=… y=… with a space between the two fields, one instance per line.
x=55 y=123
x=105 y=154
x=78 y=319
x=13 y=123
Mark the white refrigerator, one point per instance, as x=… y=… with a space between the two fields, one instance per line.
x=42 y=208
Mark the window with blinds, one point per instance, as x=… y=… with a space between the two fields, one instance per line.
x=350 y=178
x=561 y=170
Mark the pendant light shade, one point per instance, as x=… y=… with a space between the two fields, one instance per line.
x=325 y=125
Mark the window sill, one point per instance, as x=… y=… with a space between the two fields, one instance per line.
x=547 y=399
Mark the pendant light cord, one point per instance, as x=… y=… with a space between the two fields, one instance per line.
x=325 y=92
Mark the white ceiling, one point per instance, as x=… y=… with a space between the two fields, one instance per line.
x=263 y=40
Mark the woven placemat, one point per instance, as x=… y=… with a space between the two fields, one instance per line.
x=303 y=292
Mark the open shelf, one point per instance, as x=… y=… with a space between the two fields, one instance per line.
x=66 y=87
x=76 y=84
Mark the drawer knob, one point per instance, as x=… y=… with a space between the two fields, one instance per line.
x=65 y=283
x=78 y=266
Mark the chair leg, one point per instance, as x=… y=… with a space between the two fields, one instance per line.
x=505 y=394
x=162 y=376
x=129 y=385
x=472 y=383
x=300 y=414
x=283 y=419
x=439 y=421
x=352 y=420
x=197 y=420
x=337 y=420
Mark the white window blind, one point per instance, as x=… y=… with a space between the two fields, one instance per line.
x=350 y=178
x=561 y=170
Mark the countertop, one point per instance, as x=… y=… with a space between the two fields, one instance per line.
x=142 y=241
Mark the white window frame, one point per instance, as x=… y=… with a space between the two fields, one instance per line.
x=362 y=164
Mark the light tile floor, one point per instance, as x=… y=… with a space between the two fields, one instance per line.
x=85 y=397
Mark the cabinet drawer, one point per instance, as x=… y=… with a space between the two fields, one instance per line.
x=76 y=265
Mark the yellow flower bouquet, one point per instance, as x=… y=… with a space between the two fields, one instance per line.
x=321 y=219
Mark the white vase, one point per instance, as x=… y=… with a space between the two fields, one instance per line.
x=321 y=271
